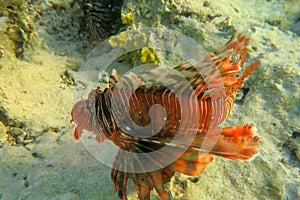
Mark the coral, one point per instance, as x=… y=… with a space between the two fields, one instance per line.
x=67 y=79
x=63 y=20
x=21 y=27
x=127 y=18
x=138 y=44
x=148 y=56
x=120 y=40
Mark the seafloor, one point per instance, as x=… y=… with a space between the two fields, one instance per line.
x=42 y=45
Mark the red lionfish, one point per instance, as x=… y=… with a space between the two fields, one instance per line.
x=235 y=142
x=103 y=18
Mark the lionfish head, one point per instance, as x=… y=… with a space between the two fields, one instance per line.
x=83 y=115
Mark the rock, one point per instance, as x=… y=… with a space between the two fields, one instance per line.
x=16 y=136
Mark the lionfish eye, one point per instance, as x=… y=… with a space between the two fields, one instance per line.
x=89 y=105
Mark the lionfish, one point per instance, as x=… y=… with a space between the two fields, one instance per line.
x=235 y=142
x=103 y=18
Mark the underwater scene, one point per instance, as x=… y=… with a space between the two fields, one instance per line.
x=149 y=100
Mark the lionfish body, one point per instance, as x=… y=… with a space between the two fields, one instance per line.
x=103 y=18
x=214 y=104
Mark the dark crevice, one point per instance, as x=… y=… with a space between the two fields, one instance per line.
x=241 y=94
x=26 y=181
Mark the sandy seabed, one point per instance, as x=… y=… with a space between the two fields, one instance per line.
x=41 y=50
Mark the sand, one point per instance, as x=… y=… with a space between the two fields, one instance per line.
x=43 y=49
